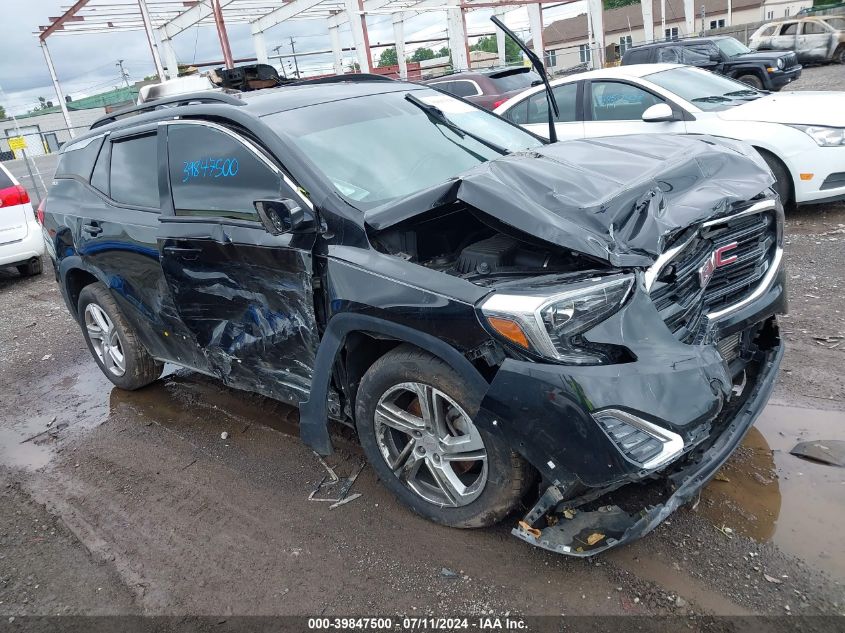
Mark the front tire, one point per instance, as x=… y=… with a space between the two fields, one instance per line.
x=751 y=80
x=414 y=419
x=783 y=181
x=112 y=341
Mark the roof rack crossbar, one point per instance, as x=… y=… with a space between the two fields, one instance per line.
x=175 y=100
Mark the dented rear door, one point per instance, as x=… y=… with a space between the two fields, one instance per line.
x=244 y=294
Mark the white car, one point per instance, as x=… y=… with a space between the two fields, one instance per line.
x=21 y=238
x=801 y=135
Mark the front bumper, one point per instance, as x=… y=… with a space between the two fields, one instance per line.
x=825 y=165
x=547 y=413
x=781 y=78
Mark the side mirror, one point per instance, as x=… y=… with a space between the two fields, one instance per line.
x=283 y=215
x=716 y=58
x=658 y=112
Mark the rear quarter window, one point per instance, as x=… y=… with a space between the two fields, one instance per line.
x=636 y=57
x=77 y=159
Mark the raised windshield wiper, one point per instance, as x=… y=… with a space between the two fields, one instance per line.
x=712 y=99
x=437 y=115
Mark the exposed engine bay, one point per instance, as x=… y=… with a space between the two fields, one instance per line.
x=460 y=241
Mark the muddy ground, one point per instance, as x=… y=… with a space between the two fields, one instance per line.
x=131 y=503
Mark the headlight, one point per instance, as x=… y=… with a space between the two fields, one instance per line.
x=780 y=62
x=552 y=325
x=824 y=136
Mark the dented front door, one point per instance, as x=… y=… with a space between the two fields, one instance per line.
x=244 y=294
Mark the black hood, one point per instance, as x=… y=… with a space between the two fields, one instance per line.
x=619 y=199
x=759 y=56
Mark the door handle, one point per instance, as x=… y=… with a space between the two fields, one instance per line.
x=183 y=252
x=92 y=229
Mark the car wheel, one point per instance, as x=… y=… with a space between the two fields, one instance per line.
x=752 y=80
x=33 y=267
x=839 y=55
x=414 y=419
x=783 y=181
x=112 y=342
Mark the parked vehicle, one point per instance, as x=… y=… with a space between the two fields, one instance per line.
x=814 y=39
x=487 y=310
x=725 y=56
x=487 y=88
x=801 y=135
x=21 y=241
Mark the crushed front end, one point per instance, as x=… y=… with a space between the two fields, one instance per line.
x=644 y=406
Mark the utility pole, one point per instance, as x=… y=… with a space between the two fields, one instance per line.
x=295 y=63
x=284 y=74
x=123 y=73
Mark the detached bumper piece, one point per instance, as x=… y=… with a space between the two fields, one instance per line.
x=580 y=527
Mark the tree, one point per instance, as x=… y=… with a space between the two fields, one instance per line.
x=422 y=54
x=615 y=4
x=2 y=112
x=444 y=52
x=488 y=44
x=388 y=57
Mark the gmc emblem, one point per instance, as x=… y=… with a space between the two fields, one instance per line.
x=717 y=259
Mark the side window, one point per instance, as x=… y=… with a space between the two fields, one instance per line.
x=134 y=171
x=613 y=101
x=518 y=114
x=768 y=31
x=464 y=88
x=78 y=158
x=695 y=55
x=789 y=29
x=444 y=86
x=814 y=28
x=213 y=174
x=100 y=175
x=565 y=95
x=637 y=56
x=669 y=55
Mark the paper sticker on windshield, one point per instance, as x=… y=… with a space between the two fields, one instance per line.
x=447 y=104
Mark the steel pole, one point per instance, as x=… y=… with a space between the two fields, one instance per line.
x=148 y=28
x=222 y=34
x=59 y=95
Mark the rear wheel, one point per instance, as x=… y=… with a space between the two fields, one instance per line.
x=839 y=54
x=414 y=419
x=112 y=342
x=752 y=80
x=32 y=267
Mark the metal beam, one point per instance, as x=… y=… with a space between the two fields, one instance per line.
x=689 y=16
x=189 y=18
x=55 y=26
x=170 y=61
x=456 y=29
x=284 y=12
x=358 y=24
x=59 y=95
x=535 y=22
x=222 y=34
x=597 y=21
x=648 y=20
x=500 y=37
x=260 y=47
x=334 y=35
x=148 y=28
x=399 y=37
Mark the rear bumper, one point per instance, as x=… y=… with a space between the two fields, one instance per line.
x=21 y=251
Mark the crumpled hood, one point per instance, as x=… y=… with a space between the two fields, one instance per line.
x=618 y=199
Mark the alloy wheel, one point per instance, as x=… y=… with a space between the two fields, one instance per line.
x=104 y=339
x=430 y=444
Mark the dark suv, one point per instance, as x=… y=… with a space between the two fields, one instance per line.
x=764 y=70
x=489 y=311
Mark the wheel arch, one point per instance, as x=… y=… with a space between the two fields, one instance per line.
x=356 y=332
x=75 y=279
x=767 y=152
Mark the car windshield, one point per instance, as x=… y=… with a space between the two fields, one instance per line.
x=706 y=90
x=384 y=146
x=731 y=47
x=837 y=23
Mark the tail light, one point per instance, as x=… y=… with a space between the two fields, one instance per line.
x=496 y=104
x=14 y=195
x=39 y=213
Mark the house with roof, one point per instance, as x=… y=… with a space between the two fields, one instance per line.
x=568 y=43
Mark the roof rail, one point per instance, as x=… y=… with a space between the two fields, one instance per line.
x=174 y=101
x=333 y=79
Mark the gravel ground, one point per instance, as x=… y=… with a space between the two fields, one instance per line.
x=122 y=503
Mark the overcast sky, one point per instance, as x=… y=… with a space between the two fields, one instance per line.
x=86 y=64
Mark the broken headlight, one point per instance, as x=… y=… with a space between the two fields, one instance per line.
x=552 y=326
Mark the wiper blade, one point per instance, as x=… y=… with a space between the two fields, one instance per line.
x=743 y=93
x=437 y=115
x=712 y=99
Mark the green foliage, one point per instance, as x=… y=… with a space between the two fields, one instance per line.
x=444 y=52
x=422 y=54
x=615 y=4
x=2 y=112
x=488 y=44
x=388 y=58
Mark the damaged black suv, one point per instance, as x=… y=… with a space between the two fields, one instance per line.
x=587 y=325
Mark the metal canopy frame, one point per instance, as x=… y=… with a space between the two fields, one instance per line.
x=163 y=20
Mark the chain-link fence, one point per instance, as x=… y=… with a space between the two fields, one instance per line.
x=39 y=142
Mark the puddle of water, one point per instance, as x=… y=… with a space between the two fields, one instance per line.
x=773 y=496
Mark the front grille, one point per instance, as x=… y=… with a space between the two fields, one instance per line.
x=790 y=61
x=729 y=347
x=678 y=293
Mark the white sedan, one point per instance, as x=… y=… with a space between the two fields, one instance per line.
x=801 y=135
x=21 y=238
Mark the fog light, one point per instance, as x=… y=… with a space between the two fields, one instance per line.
x=641 y=442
